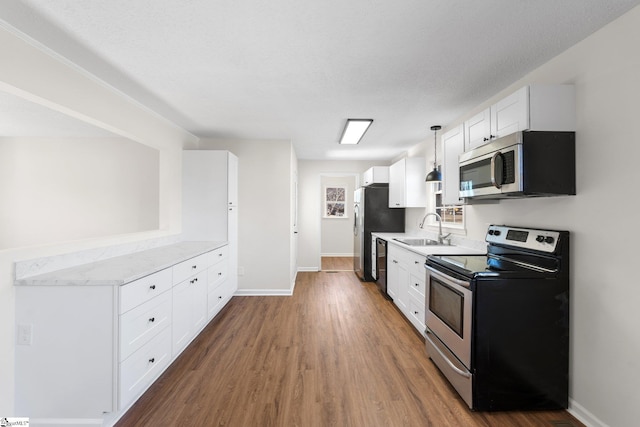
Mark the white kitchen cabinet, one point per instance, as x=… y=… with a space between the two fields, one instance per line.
x=452 y=147
x=535 y=107
x=477 y=130
x=375 y=175
x=210 y=201
x=189 y=310
x=407 y=187
x=101 y=333
x=374 y=258
x=406 y=277
x=220 y=289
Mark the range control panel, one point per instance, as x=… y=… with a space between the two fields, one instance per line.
x=529 y=238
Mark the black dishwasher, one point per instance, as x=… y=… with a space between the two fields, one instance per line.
x=381 y=266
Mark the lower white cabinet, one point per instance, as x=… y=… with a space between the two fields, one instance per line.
x=98 y=345
x=189 y=310
x=406 y=278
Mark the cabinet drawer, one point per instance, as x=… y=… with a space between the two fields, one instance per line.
x=143 y=366
x=218 y=297
x=142 y=290
x=217 y=255
x=417 y=286
x=217 y=274
x=416 y=313
x=416 y=265
x=139 y=325
x=188 y=268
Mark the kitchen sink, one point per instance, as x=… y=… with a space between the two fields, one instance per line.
x=419 y=242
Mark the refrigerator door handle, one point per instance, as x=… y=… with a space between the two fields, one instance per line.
x=355 y=220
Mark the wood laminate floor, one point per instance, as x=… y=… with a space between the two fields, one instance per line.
x=337 y=263
x=336 y=353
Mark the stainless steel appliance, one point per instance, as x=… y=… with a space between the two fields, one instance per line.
x=371 y=213
x=522 y=164
x=381 y=265
x=497 y=325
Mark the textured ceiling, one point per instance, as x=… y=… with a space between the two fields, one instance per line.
x=297 y=69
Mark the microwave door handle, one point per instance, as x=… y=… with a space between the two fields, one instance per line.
x=497 y=169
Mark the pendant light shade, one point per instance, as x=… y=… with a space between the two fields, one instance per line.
x=435 y=175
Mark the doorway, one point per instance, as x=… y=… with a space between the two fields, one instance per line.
x=336 y=221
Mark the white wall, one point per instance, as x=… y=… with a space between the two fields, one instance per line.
x=44 y=201
x=43 y=78
x=605 y=342
x=337 y=233
x=309 y=174
x=264 y=213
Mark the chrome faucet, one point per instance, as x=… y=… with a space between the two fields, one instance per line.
x=441 y=237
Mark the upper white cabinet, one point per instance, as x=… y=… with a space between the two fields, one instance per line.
x=407 y=188
x=477 y=130
x=452 y=147
x=534 y=107
x=375 y=175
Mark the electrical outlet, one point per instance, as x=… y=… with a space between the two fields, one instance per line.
x=25 y=334
x=240 y=271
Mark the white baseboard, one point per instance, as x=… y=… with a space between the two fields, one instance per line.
x=312 y=269
x=584 y=416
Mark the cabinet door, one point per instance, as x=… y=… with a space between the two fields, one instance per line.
x=511 y=114
x=397 y=184
x=404 y=281
x=181 y=325
x=199 y=303
x=452 y=147
x=392 y=273
x=232 y=221
x=374 y=259
x=415 y=192
x=477 y=130
x=232 y=177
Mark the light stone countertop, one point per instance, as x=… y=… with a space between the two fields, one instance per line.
x=466 y=248
x=122 y=269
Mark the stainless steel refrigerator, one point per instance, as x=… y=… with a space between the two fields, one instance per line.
x=371 y=213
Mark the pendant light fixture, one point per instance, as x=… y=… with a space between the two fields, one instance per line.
x=435 y=175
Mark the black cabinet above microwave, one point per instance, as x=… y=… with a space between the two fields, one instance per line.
x=522 y=164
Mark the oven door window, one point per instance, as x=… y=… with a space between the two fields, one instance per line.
x=447 y=304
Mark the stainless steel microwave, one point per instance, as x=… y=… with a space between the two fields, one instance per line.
x=522 y=164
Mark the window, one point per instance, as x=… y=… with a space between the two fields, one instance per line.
x=452 y=215
x=334 y=202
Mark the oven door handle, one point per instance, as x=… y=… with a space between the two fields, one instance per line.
x=445 y=358
x=445 y=278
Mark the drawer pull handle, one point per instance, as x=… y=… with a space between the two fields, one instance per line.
x=416 y=262
x=152 y=360
x=220 y=297
x=220 y=274
x=194 y=280
x=153 y=319
x=194 y=266
x=152 y=287
x=417 y=284
x=219 y=254
x=416 y=312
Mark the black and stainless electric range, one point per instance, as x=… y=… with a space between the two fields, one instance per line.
x=498 y=324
